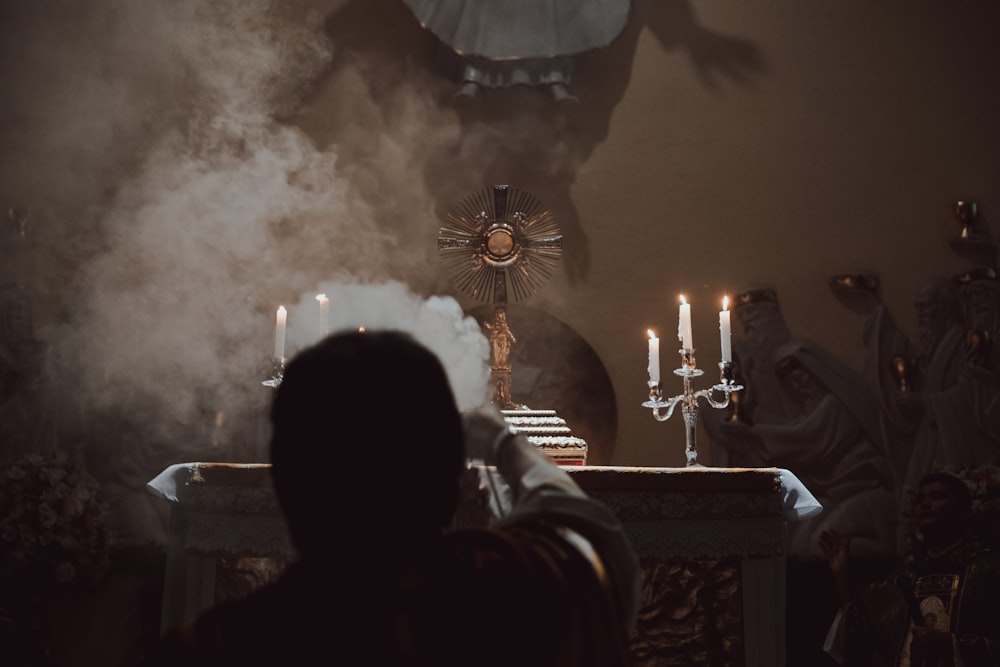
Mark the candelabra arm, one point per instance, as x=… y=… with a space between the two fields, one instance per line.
x=657 y=403
x=277 y=372
x=709 y=396
x=670 y=404
x=726 y=387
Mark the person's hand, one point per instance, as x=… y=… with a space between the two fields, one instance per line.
x=835 y=548
x=485 y=429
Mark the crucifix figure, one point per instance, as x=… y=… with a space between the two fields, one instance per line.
x=501 y=338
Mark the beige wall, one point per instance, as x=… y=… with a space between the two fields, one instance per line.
x=776 y=143
x=847 y=150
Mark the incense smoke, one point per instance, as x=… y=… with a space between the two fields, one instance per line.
x=437 y=322
x=173 y=209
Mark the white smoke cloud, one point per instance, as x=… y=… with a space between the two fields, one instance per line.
x=174 y=207
x=436 y=321
x=226 y=213
x=192 y=235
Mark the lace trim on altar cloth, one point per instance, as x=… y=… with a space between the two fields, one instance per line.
x=682 y=513
x=643 y=505
x=723 y=538
x=237 y=534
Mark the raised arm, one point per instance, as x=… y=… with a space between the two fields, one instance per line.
x=544 y=490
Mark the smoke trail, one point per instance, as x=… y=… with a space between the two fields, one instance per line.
x=173 y=210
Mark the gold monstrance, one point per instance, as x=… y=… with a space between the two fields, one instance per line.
x=499 y=245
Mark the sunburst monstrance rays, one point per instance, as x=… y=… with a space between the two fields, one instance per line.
x=500 y=244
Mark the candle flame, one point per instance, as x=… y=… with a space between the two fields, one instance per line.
x=361 y=329
x=683 y=300
x=321 y=297
x=651 y=334
x=725 y=303
x=281 y=310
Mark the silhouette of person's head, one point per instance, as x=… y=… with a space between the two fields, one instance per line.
x=366 y=444
x=942 y=508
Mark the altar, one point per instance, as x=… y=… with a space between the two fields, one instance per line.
x=710 y=541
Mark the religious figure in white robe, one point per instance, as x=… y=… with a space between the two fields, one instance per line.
x=944 y=411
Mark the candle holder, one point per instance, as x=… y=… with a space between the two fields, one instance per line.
x=689 y=399
x=277 y=372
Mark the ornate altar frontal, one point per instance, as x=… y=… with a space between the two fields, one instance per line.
x=710 y=542
x=550 y=433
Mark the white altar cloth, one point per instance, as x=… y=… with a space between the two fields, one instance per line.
x=224 y=510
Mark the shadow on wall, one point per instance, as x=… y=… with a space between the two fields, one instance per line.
x=514 y=134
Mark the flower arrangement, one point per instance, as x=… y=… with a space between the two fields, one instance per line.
x=53 y=525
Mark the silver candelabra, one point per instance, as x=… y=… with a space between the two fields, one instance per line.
x=689 y=399
x=277 y=372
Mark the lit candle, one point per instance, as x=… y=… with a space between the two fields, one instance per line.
x=684 y=325
x=725 y=331
x=654 y=357
x=324 y=314
x=279 y=332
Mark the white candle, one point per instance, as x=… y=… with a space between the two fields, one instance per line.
x=684 y=325
x=324 y=315
x=279 y=332
x=654 y=357
x=725 y=331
